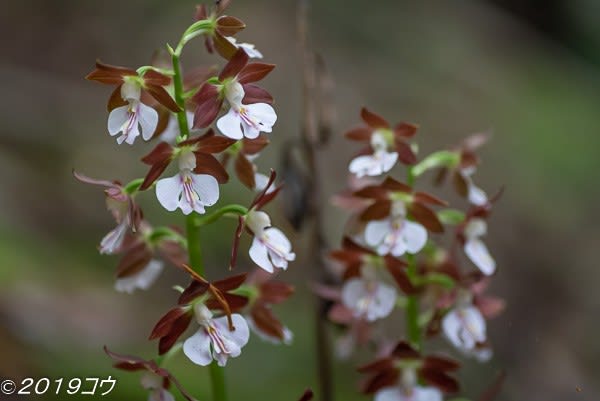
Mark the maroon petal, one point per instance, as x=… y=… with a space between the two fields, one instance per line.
x=135 y=260
x=229 y=26
x=373 y=120
x=224 y=47
x=405 y=130
x=405 y=153
x=426 y=217
x=254 y=146
x=177 y=328
x=424 y=197
x=254 y=72
x=162 y=96
x=163 y=326
x=256 y=94
x=392 y=185
x=109 y=74
x=235 y=65
x=115 y=100
x=359 y=134
x=193 y=291
x=208 y=164
x=377 y=211
x=231 y=283
x=244 y=170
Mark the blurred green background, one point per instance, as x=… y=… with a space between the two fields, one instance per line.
x=527 y=70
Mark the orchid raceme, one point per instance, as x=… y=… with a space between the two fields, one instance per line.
x=155 y=102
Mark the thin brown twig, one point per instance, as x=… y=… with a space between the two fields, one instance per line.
x=313 y=137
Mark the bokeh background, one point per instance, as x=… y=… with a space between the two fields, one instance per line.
x=528 y=70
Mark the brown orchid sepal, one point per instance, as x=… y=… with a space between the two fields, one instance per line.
x=405 y=373
x=156 y=379
x=218 y=338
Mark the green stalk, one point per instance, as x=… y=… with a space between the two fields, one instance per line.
x=217 y=374
x=228 y=210
x=413 y=331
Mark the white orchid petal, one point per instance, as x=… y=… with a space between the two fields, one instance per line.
x=197 y=348
x=168 y=191
x=142 y=280
x=427 y=394
x=365 y=165
x=263 y=114
x=376 y=231
x=259 y=255
x=114 y=239
x=117 y=119
x=475 y=228
x=207 y=188
x=388 y=161
x=478 y=253
x=451 y=325
x=390 y=394
x=477 y=196
x=240 y=335
x=148 y=119
x=230 y=125
x=415 y=236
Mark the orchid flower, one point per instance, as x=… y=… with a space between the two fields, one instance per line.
x=187 y=190
x=475 y=248
x=270 y=247
x=125 y=211
x=387 y=145
x=379 y=162
x=129 y=115
x=249 y=112
x=215 y=340
x=465 y=328
x=396 y=235
x=369 y=299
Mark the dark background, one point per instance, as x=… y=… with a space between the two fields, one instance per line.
x=527 y=70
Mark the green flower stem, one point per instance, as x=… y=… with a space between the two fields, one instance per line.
x=413 y=330
x=217 y=375
x=235 y=210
